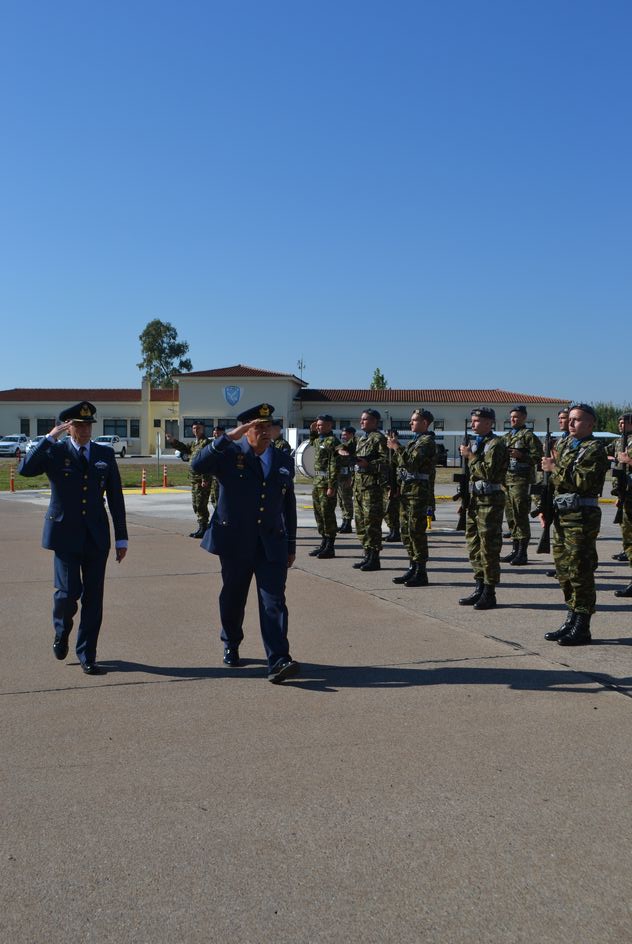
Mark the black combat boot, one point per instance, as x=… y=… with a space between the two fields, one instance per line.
x=372 y=562
x=620 y=557
x=579 y=633
x=317 y=550
x=626 y=592
x=520 y=557
x=419 y=578
x=392 y=537
x=565 y=628
x=359 y=564
x=328 y=550
x=473 y=597
x=550 y=573
x=487 y=599
x=405 y=576
x=508 y=558
x=345 y=527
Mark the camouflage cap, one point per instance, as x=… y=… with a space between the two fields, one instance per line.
x=485 y=412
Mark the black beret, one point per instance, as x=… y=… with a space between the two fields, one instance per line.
x=563 y=410
x=82 y=412
x=519 y=408
x=262 y=412
x=585 y=408
x=325 y=417
x=425 y=415
x=485 y=412
x=374 y=413
x=348 y=429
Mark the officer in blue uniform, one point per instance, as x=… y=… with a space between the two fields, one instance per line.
x=253 y=531
x=76 y=525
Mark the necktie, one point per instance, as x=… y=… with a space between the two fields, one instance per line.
x=83 y=459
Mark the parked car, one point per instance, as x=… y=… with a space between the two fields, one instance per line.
x=14 y=445
x=35 y=441
x=119 y=445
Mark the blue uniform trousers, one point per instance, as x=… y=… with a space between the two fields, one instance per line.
x=270 y=577
x=80 y=576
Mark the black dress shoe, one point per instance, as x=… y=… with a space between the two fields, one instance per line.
x=91 y=668
x=284 y=668
x=60 y=647
x=231 y=656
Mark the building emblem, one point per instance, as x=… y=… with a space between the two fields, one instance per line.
x=232 y=395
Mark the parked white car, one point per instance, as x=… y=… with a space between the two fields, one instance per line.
x=14 y=445
x=35 y=441
x=119 y=445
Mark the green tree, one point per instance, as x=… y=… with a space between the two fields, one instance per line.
x=608 y=416
x=379 y=381
x=163 y=354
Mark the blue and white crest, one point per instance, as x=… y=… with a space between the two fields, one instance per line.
x=232 y=395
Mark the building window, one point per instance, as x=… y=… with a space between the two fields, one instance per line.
x=134 y=429
x=25 y=427
x=400 y=424
x=171 y=428
x=157 y=424
x=209 y=423
x=439 y=425
x=44 y=426
x=114 y=427
x=228 y=422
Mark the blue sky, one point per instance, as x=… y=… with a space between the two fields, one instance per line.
x=439 y=189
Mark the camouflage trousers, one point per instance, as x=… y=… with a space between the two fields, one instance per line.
x=413 y=523
x=626 y=530
x=484 y=536
x=199 y=499
x=517 y=507
x=575 y=556
x=214 y=492
x=324 y=510
x=391 y=508
x=368 y=503
x=345 y=496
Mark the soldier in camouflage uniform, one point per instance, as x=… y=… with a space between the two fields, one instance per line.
x=558 y=448
x=578 y=475
x=278 y=441
x=392 y=499
x=217 y=432
x=525 y=452
x=613 y=448
x=624 y=459
x=488 y=459
x=368 y=488
x=200 y=484
x=415 y=464
x=346 y=463
x=325 y=483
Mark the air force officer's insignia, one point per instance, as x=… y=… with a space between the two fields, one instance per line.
x=232 y=395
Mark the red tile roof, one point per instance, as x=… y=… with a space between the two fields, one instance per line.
x=239 y=370
x=493 y=395
x=72 y=395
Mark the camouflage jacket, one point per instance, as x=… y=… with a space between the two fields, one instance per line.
x=283 y=445
x=581 y=468
x=416 y=462
x=346 y=463
x=528 y=443
x=188 y=451
x=325 y=458
x=372 y=447
x=613 y=448
x=490 y=460
x=559 y=445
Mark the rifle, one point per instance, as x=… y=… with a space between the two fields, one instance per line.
x=463 y=493
x=545 y=508
x=620 y=475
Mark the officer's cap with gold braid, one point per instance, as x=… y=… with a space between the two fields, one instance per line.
x=263 y=413
x=82 y=412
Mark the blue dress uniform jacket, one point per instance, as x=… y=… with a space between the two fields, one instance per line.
x=76 y=528
x=76 y=506
x=250 y=510
x=253 y=530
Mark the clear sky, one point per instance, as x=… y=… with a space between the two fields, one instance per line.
x=438 y=188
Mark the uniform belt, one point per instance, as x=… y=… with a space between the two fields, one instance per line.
x=413 y=476
x=345 y=471
x=589 y=502
x=358 y=468
x=481 y=487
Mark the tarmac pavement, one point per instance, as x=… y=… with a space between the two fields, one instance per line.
x=433 y=775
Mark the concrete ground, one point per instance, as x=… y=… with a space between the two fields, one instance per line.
x=434 y=775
